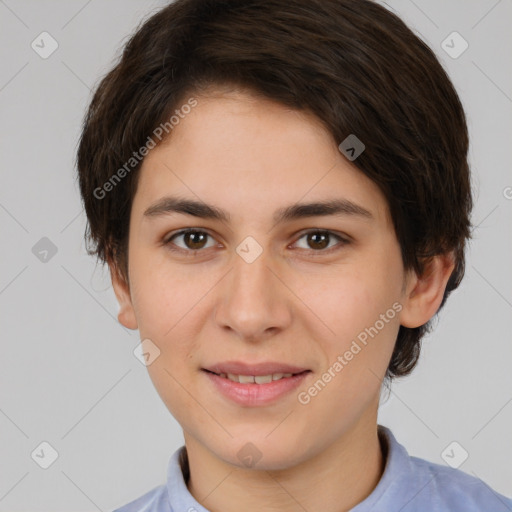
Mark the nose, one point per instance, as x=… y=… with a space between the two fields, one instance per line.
x=253 y=301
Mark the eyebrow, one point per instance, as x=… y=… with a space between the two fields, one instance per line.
x=169 y=204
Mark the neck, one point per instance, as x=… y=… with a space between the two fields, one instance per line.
x=341 y=476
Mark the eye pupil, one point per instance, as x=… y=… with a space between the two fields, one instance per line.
x=315 y=239
x=197 y=238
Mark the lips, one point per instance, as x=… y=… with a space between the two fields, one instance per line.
x=257 y=385
x=255 y=370
x=255 y=379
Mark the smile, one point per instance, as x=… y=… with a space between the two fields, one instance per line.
x=255 y=390
x=255 y=379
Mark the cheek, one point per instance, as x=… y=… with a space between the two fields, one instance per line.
x=166 y=300
x=357 y=355
x=356 y=304
x=348 y=301
x=165 y=295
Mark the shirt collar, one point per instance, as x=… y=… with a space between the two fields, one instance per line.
x=398 y=471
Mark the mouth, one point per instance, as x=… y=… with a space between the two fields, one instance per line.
x=256 y=379
x=255 y=385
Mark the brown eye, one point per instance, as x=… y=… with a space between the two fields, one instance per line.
x=321 y=241
x=193 y=240
x=318 y=240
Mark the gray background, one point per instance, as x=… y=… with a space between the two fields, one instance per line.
x=68 y=375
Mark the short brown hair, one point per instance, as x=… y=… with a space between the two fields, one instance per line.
x=353 y=64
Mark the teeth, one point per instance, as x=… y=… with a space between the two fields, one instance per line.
x=262 y=379
x=258 y=379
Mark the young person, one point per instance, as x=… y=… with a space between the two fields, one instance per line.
x=281 y=191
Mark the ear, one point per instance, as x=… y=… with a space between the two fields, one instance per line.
x=126 y=314
x=424 y=293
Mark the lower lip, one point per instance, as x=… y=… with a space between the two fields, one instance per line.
x=256 y=394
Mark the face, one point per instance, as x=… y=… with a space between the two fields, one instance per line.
x=298 y=291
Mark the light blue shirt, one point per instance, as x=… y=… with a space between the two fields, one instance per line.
x=408 y=484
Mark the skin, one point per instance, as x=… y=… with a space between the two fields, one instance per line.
x=293 y=304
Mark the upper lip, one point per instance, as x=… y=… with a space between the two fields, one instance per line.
x=241 y=368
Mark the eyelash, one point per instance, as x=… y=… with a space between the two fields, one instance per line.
x=191 y=252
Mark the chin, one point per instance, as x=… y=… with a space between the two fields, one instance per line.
x=262 y=454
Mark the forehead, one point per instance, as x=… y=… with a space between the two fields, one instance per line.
x=243 y=152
